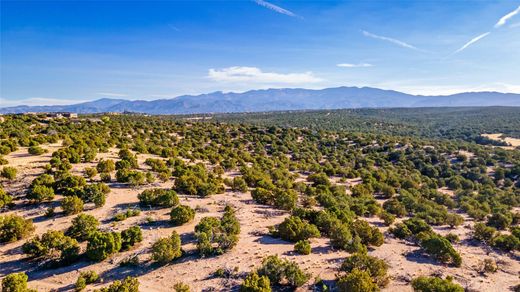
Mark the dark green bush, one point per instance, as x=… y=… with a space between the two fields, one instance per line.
x=53 y=245
x=15 y=282
x=441 y=249
x=255 y=283
x=181 y=214
x=377 y=268
x=357 y=281
x=72 y=205
x=82 y=226
x=9 y=172
x=129 y=284
x=13 y=228
x=506 y=243
x=131 y=236
x=302 y=247
x=158 y=198
x=435 y=284
x=294 y=229
x=167 y=249
x=279 y=271
x=102 y=244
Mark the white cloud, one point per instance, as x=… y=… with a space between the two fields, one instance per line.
x=255 y=75
x=4 y=102
x=472 y=41
x=275 y=8
x=391 y=40
x=112 y=94
x=506 y=17
x=349 y=65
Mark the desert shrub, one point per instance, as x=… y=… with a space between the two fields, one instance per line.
x=102 y=244
x=387 y=218
x=132 y=177
x=294 y=229
x=369 y=235
x=167 y=249
x=69 y=183
x=36 y=150
x=500 y=221
x=40 y=193
x=483 y=233
x=13 y=228
x=376 y=268
x=279 y=271
x=129 y=284
x=417 y=225
x=158 y=198
x=197 y=181
x=488 y=266
x=263 y=196
x=302 y=247
x=215 y=236
x=340 y=236
x=53 y=245
x=393 y=206
x=106 y=166
x=85 y=278
x=357 y=281
x=181 y=214
x=239 y=185
x=105 y=177
x=90 y=172
x=181 y=287
x=5 y=198
x=454 y=220
x=506 y=243
x=453 y=238
x=121 y=216
x=72 y=205
x=95 y=193
x=9 y=173
x=435 y=284
x=441 y=249
x=255 y=283
x=15 y=282
x=285 y=199
x=131 y=236
x=82 y=226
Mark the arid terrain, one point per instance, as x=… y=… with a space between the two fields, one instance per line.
x=254 y=244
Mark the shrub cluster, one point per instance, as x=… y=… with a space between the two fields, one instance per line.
x=215 y=236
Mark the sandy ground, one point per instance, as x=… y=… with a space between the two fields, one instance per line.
x=498 y=137
x=254 y=244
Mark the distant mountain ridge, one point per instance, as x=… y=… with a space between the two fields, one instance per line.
x=279 y=99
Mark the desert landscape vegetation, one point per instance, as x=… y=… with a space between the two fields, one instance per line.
x=235 y=203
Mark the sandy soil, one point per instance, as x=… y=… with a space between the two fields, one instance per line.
x=514 y=142
x=254 y=243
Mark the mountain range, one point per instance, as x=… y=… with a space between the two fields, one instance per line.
x=279 y=99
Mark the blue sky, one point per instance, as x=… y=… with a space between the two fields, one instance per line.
x=68 y=51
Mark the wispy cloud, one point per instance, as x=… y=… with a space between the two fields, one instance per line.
x=349 y=65
x=391 y=40
x=255 y=75
x=275 y=8
x=506 y=17
x=112 y=94
x=472 y=41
